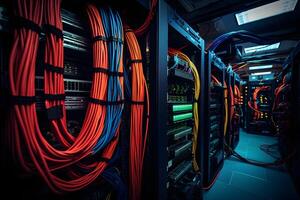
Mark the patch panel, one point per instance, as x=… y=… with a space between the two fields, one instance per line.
x=71 y=85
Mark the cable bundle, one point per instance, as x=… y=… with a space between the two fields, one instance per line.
x=37 y=153
x=278 y=91
x=242 y=34
x=237 y=95
x=139 y=31
x=138 y=139
x=254 y=107
x=231 y=103
x=114 y=34
x=226 y=107
x=21 y=74
x=173 y=52
x=225 y=103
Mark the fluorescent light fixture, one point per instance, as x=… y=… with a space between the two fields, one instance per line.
x=261 y=67
x=265 y=11
x=260 y=73
x=260 y=48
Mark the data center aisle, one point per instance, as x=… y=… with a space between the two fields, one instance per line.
x=238 y=180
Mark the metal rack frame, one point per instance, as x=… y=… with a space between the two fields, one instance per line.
x=212 y=61
x=166 y=17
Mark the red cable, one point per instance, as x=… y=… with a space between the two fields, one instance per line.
x=138 y=139
x=33 y=151
x=255 y=106
x=212 y=182
x=237 y=94
x=215 y=80
x=141 y=30
x=231 y=103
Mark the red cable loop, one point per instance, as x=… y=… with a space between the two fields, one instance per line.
x=28 y=144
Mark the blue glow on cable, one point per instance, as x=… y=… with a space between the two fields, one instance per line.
x=113 y=28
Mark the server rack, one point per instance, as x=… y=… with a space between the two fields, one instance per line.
x=263 y=124
x=157 y=161
x=213 y=126
x=167 y=20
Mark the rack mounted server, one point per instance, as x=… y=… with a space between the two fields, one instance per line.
x=213 y=137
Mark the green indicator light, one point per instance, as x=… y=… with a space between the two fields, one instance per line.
x=182 y=117
x=183 y=107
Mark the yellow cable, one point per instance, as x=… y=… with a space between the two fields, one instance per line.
x=173 y=52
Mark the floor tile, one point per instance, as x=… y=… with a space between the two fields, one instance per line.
x=239 y=180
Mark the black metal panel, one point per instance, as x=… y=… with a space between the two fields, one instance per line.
x=210 y=168
x=158 y=94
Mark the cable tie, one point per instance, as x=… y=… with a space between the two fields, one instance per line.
x=107 y=71
x=55 y=112
x=53 y=97
x=115 y=39
x=50 y=29
x=106 y=103
x=52 y=68
x=135 y=61
x=21 y=22
x=99 y=38
x=22 y=100
x=128 y=30
x=137 y=102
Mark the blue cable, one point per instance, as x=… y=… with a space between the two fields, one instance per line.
x=113 y=28
x=242 y=34
x=111 y=175
x=127 y=84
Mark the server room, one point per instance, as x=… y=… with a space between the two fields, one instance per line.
x=150 y=99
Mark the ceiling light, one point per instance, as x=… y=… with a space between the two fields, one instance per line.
x=265 y=11
x=260 y=48
x=260 y=73
x=261 y=67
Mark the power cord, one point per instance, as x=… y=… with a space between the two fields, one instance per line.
x=277 y=162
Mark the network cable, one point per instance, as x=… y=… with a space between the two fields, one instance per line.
x=142 y=29
x=225 y=102
x=114 y=30
x=139 y=110
x=37 y=154
x=242 y=34
x=254 y=107
x=174 y=52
